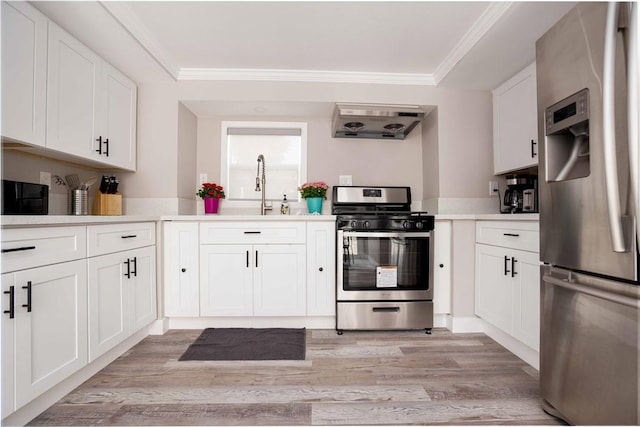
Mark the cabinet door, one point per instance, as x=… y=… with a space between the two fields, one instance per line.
x=72 y=95
x=116 y=118
x=321 y=269
x=442 y=266
x=142 y=287
x=182 y=293
x=24 y=73
x=494 y=287
x=515 y=123
x=526 y=299
x=51 y=339
x=279 y=280
x=8 y=345
x=226 y=283
x=108 y=303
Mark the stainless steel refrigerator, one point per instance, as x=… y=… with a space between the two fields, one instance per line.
x=587 y=78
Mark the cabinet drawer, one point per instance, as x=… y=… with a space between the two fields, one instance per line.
x=252 y=232
x=32 y=247
x=509 y=234
x=104 y=239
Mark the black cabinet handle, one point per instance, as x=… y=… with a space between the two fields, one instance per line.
x=256 y=259
x=23 y=248
x=128 y=273
x=506 y=264
x=511 y=234
x=134 y=270
x=533 y=152
x=252 y=232
x=247 y=259
x=99 y=150
x=28 y=304
x=106 y=150
x=129 y=236
x=12 y=302
x=513 y=267
x=183 y=270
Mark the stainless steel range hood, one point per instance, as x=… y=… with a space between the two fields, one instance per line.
x=374 y=121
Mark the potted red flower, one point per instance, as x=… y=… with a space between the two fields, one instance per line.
x=211 y=193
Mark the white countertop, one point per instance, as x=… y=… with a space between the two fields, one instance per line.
x=39 y=220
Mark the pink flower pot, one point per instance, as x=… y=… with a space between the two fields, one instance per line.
x=211 y=205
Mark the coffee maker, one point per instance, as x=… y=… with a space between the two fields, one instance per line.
x=522 y=194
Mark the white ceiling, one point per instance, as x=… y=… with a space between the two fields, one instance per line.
x=467 y=45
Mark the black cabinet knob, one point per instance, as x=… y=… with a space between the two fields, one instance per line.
x=321 y=269
x=183 y=270
x=441 y=265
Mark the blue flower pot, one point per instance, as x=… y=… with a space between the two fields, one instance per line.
x=314 y=204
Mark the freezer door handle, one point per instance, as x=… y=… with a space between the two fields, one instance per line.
x=612 y=185
x=633 y=109
x=598 y=293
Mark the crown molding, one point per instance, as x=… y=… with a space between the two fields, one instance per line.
x=305 y=76
x=130 y=22
x=479 y=28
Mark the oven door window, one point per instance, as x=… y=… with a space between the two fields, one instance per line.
x=383 y=263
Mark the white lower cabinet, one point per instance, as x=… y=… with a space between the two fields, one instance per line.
x=181 y=269
x=121 y=297
x=252 y=280
x=321 y=269
x=47 y=338
x=508 y=281
x=442 y=268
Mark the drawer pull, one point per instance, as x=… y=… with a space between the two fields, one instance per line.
x=386 y=309
x=129 y=236
x=511 y=234
x=28 y=304
x=12 y=302
x=252 y=232
x=23 y=248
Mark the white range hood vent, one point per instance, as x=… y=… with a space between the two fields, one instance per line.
x=374 y=121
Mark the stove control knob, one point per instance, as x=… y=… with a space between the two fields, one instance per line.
x=419 y=225
x=365 y=224
x=354 y=224
x=406 y=225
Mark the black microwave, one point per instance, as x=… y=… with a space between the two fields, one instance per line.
x=24 y=198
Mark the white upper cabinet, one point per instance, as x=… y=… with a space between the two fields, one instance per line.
x=24 y=73
x=515 y=139
x=91 y=106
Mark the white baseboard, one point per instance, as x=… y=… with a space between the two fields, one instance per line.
x=311 y=322
x=159 y=327
x=459 y=325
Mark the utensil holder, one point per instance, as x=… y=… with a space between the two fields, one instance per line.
x=78 y=202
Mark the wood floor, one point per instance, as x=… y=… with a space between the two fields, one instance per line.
x=359 y=378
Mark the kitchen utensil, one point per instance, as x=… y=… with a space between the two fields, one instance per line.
x=73 y=181
x=88 y=183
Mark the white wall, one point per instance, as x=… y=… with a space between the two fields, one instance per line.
x=187 y=159
x=462 y=158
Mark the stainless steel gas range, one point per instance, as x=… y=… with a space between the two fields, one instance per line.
x=384 y=260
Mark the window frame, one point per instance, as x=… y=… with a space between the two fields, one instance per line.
x=224 y=153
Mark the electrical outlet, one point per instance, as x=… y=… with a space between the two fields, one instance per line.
x=203 y=178
x=346 y=180
x=493 y=188
x=45 y=178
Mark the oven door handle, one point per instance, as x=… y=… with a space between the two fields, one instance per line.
x=387 y=234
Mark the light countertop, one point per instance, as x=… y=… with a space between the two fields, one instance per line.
x=53 y=220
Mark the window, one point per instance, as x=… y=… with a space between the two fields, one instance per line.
x=284 y=147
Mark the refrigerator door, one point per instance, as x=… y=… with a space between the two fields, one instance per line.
x=589 y=348
x=576 y=219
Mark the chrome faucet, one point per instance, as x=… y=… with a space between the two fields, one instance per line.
x=262 y=180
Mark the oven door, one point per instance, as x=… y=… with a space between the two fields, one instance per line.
x=379 y=266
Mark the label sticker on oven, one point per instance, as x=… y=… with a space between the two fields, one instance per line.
x=387 y=276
